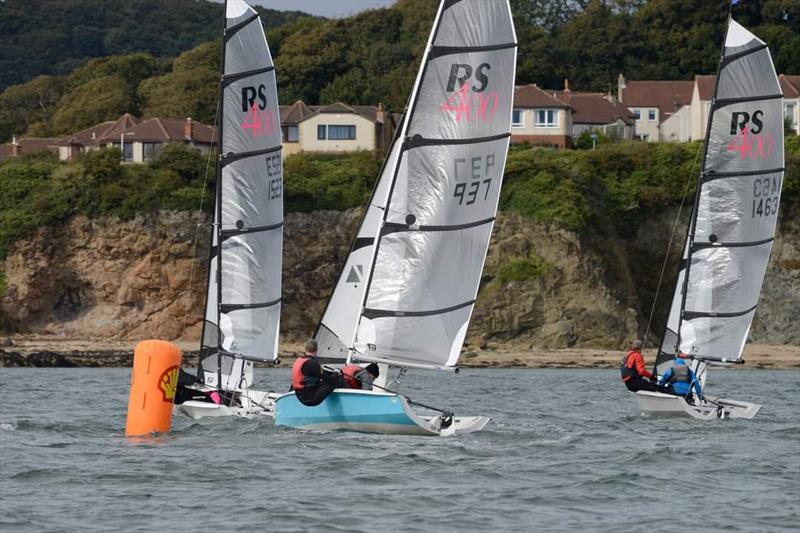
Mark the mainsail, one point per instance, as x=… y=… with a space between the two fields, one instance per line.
x=735 y=210
x=420 y=249
x=242 y=312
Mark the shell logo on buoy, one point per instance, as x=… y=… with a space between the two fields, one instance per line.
x=168 y=383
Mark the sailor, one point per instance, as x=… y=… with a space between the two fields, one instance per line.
x=680 y=379
x=310 y=382
x=633 y=370
x=358 y=377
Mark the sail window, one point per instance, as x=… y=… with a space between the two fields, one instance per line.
x=546 y=118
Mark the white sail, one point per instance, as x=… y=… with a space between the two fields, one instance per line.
x=432 y=233
x=335 y=330
x=736 y=207
x=243 y=303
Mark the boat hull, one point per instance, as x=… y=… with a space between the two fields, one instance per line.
x=252 y=404
x=368 y=412
x=659 y=404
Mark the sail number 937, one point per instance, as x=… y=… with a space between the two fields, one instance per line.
x=473 y=178
x=766 y=193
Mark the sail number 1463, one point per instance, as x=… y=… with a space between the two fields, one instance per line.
x=275 y=176
x=766 y=194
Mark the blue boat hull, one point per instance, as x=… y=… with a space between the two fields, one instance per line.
x=355 y=410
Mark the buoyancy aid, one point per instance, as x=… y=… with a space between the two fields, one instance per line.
x=299 y=380
x=349 y=372
x=679 y=373
x=626 y=368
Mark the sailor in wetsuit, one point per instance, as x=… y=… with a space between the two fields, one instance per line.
x=310 y=382
x=681 y=379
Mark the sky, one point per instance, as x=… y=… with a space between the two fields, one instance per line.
x=326 y=8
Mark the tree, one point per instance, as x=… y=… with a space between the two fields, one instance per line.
x=104 y=98
x=32 y=103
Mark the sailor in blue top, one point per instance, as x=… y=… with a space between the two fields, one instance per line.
x=681 y=378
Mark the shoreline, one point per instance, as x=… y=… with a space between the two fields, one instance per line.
x=48 y=352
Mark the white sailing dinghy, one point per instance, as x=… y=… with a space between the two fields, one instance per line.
x=243 y=298
x=406 y=293
x=731 y=229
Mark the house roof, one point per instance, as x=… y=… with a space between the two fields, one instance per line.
x=594 y=108
x=100 y=133
x=705 y=86
x=171 y=129
x=27 y=145
x=667 y=96
x=299 y=111
x=531 y=96
x=294 y=114
x=790 y=85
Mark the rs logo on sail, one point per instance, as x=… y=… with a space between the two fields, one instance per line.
x=750 y=138
x=469 y=100
x=258 y=119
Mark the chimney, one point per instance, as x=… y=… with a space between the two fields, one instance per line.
x=620 y=85
x=14 y=146
x=566 y=85
x=380 y=114
x=188 y=129
x=94 y=135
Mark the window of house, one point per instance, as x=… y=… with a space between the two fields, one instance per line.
x=150 y=151
x=637 y=114
x=651 y=114
x=517 y=118
x=337 y=132
x=322 y=132
x=127 y=151
x=546 y=118
x=292 y=134
x=788 y=114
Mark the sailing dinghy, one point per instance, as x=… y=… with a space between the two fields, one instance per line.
x=406 y=293
x=243 y=298
x=731 y=229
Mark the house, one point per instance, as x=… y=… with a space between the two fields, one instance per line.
x=29 y=145
x=597 y=111
x=654 y=102
x=141 y=140
x=335 y=128
x=540 y=119
x=704 y=93
x=790 y=86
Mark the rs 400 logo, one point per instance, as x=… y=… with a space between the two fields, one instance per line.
x=470 y=101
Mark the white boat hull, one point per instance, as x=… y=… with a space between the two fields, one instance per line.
x=252 y=404
x=659 y=404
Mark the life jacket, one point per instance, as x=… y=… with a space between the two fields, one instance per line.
x=679 y=373
x=626 y=368
x=300 y=380
x=349 y=372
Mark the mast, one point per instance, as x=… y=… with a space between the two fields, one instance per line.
x=242 y=314
x=439 y=208
x=735 y=207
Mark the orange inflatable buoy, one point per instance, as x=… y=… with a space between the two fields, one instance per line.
x=153 y=384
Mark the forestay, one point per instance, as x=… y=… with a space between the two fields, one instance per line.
x=242 y=312
x=432 y=214
x=736 y=208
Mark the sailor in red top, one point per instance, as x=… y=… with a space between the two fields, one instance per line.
x=310 y=382
x=357 y=377
x=633 y=370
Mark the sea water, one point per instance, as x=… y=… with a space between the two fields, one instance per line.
x=567 y=450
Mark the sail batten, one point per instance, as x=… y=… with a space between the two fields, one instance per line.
x=735 y=212
x=244 y=289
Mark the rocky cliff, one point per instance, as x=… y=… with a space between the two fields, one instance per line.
x=542 y=287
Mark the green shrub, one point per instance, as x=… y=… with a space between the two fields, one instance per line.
x=531 y=267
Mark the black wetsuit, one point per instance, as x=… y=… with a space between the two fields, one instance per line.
x=317 y=383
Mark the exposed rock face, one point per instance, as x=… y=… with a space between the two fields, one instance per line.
x=112 y=279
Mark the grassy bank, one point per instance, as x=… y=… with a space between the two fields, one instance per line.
x=608 y=191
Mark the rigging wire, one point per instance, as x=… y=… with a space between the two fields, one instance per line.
x=669 y=247
x=199 y=224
